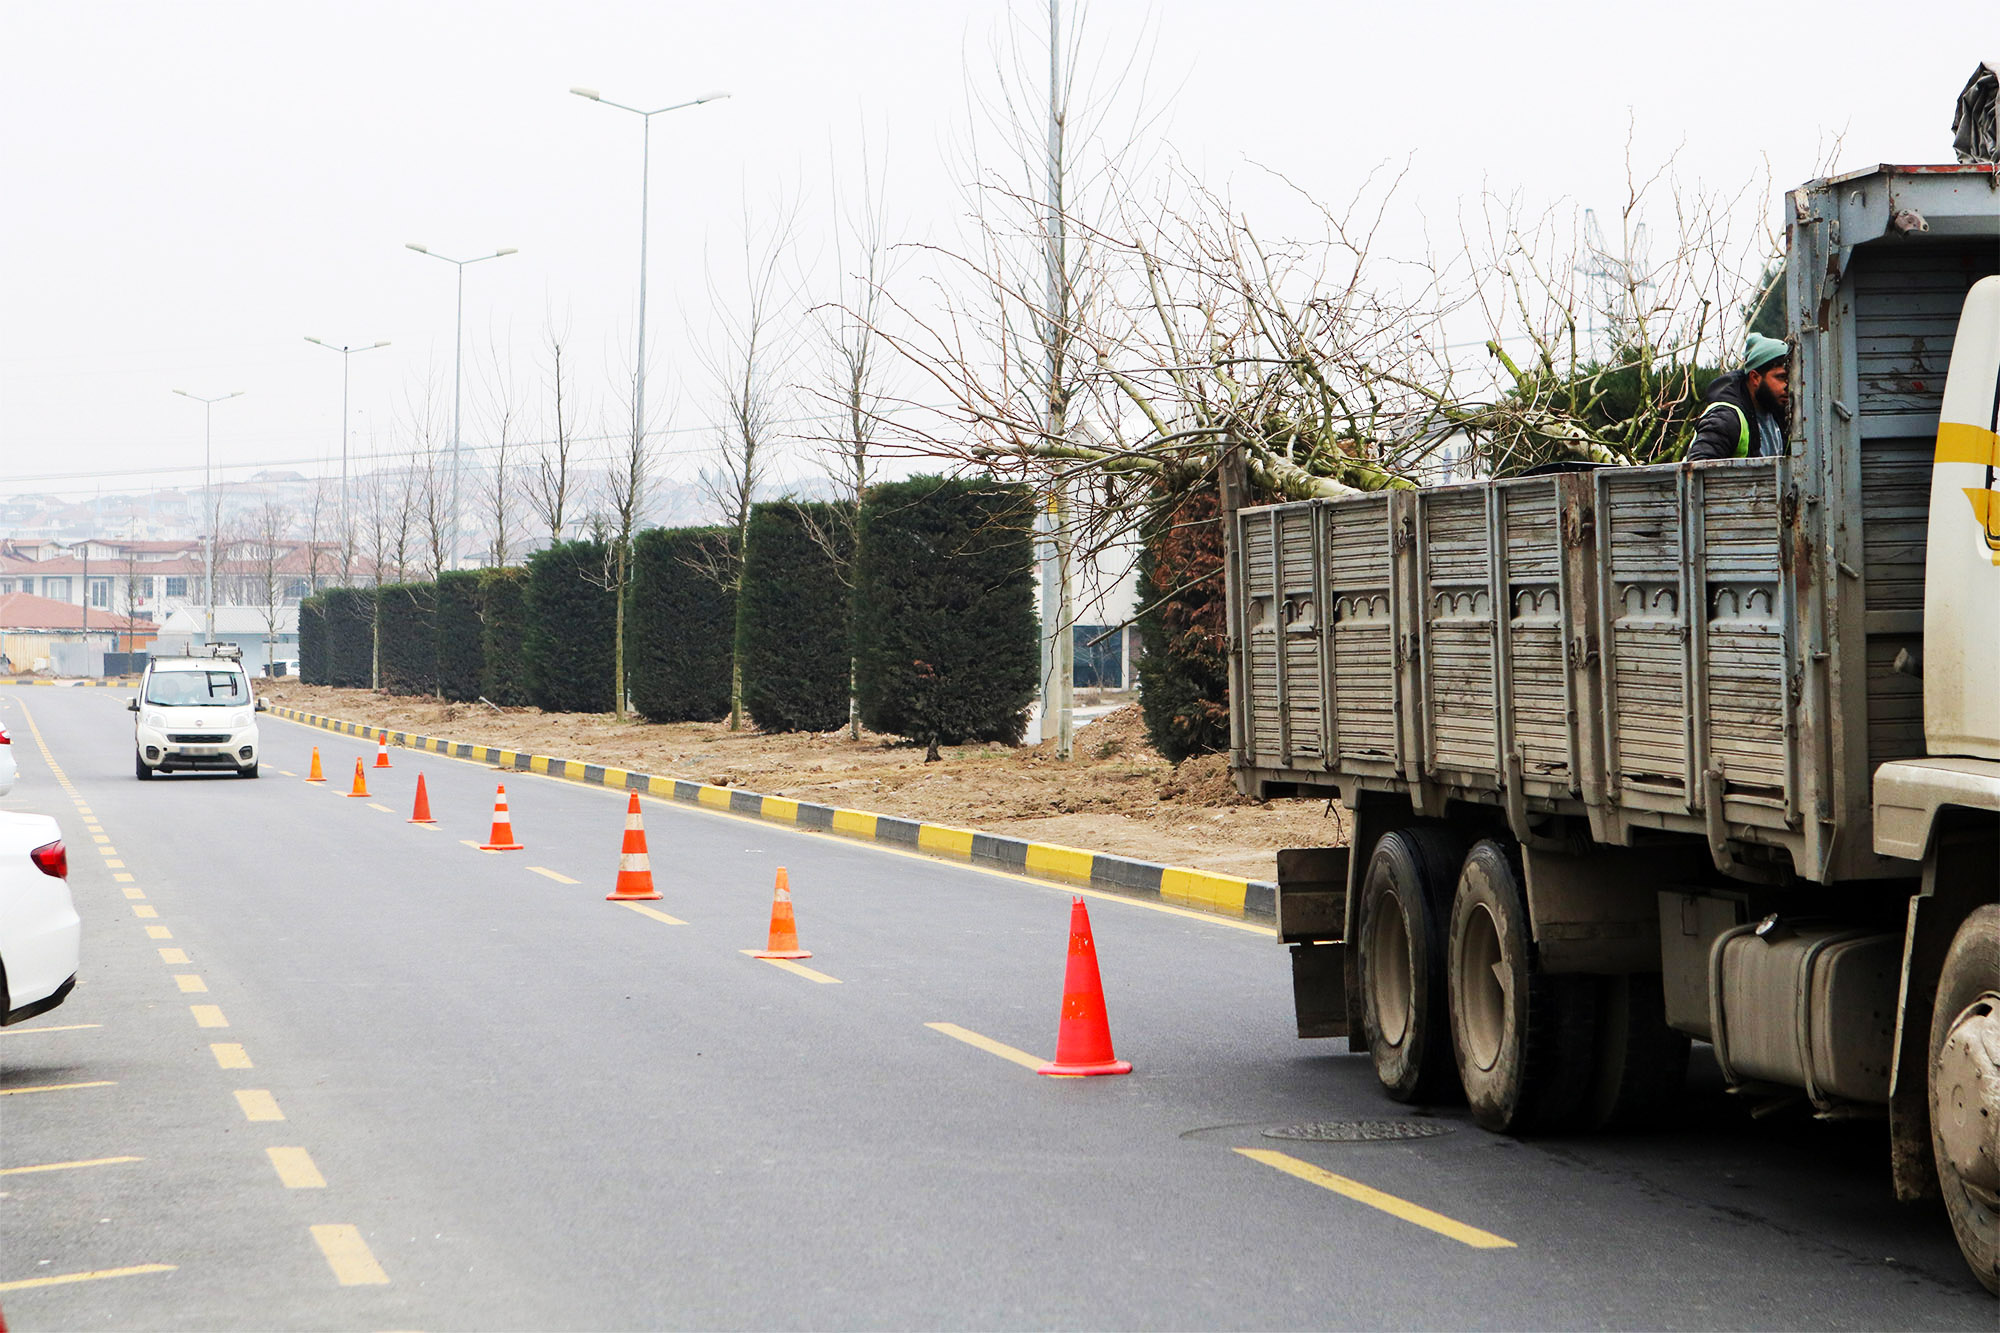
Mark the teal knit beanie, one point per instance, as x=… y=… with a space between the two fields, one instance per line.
x=1759 y=351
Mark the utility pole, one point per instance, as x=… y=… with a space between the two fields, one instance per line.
x=1058 y=651
x=214 y=508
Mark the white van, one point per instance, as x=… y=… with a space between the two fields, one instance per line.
x=195 y=713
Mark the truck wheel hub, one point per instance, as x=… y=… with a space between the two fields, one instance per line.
x=1967 y=1105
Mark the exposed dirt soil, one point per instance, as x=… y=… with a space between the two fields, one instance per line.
x=1116 y=795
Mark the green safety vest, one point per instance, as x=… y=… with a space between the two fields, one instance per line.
x=1742 y=426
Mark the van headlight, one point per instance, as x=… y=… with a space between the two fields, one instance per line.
x=156 y=722
x=242 y=720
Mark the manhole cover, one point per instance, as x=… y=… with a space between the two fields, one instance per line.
x=1358 y=1131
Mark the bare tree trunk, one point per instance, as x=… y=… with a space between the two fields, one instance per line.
x=550 y=483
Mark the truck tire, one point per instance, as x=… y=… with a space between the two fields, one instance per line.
x=1964 y=1081
x=1524 y=1040
x=1641 y=1063
x=1404 y=898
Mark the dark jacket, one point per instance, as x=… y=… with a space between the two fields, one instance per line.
x=1722 y=433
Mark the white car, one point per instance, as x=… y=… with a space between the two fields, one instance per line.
x=8 y=768
x=40 y=934
x=195 y=713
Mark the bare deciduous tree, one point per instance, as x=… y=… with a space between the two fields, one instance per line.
x=550 y=482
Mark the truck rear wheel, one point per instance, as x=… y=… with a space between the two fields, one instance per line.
x=1641 y=1062
x=1404 y=898
x=1524 y=1039
x=1964 y=1070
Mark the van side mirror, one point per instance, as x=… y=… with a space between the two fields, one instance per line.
x=132 y=704
x=260 y=705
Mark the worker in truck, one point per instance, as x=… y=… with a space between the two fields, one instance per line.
x=1746 y=409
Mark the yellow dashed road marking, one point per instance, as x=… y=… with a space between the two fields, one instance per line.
x=66 y=1166
x=208 y=1016
x=114 y=864
x=1409 y=1212
x=229 y=1055
x=348 y=1256
x=258 y=1104
x=796 y=969
x=173 y=956
x=987 y=1044
x=122 y=878
x=383 y=808
x=145 y=913
x=190 y=984
x=657 y=915
x=134 y=892
x=107 y=851
x=295 y=1168
x=560 y=879
x=60 y=1279
x=57 y=1087
x=158 y=933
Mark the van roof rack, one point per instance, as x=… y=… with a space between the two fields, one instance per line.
x=230 y=651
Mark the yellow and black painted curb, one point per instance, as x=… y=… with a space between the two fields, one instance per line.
x=115 y=683
x=1225 y=895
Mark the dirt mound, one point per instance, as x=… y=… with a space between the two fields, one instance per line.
x=1119 y=734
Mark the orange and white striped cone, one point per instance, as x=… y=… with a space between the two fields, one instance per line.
x=382 y=752
x=313 y=774
x=635 y=868
x=360 y=780
x=784 y=942
x=502 y=837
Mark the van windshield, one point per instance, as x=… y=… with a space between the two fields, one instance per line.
x=182 y=689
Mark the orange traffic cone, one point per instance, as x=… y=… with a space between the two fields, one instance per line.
x=784 y=930
x=502 y=837
x=382 y=752
x=635 y=869
x=360 y=781
x=422 y=813
x=315 y=775
x=1083 y=1043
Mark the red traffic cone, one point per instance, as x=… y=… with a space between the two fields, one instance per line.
x=635 y=870
x=382 y=752
x=502 y=837
x=784 y=941
x=360 y=781
x=313 y=774
x=422 y=813
x=1083 y=1043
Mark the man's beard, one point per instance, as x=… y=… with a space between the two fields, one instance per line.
x=1770 y=402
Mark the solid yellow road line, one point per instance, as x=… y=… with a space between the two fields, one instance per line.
x=258 y=1104
x=190 y=984
x=158 y=933
x=987 y=1044
x=134 y=892
x=208 y=1016
x=1414 y=1214
x=57 y=1087
x=145 y=912
x=66 y=1027
x=794 y=968
x=348 y=1256
x=560 y=879
x=66 y=1166
x=229 y=1055
x=658 y=916
x=61 y=1279
x=173 y=955
x=295 y=1168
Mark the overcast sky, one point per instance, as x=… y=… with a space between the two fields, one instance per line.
x=192 y=188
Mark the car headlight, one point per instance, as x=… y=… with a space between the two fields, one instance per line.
x=242 y=720
x=155 y=721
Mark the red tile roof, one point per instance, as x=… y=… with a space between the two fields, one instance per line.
x=24 y=611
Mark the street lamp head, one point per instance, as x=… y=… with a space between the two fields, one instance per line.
x=311 y=339
x=183 y=393
x=510 y=250
x=711 y=97
x=383 y=343
x=412 y=245
x=590 y=93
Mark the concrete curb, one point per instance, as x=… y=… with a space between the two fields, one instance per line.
x=125 y=684
x=1199 y=890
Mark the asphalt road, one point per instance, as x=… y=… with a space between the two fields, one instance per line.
x=337 y=1070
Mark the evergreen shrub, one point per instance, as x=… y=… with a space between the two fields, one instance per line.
x=503 y=625
x=792 y=617
x=680 y=624
x=350 y=637
x=571 y=629
x=312 y=639
x=459 y=660
x=409 y=638
x=1184 y=670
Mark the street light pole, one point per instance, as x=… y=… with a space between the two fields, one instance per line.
x=457 y=360
x=208 y=544
x=346 y=516
x=645 y=191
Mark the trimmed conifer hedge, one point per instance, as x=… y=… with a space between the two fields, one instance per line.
x=571 y=629
x=792 y=618
x=409 y=638
x=944 y=617
x=1184 y=672
x=680 y=624
x=459 y=659
x=503 y=617
x=350 y=637
x=312 y=639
